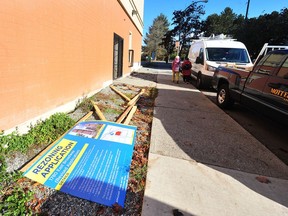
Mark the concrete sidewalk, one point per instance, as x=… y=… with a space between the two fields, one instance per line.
x=202 y=162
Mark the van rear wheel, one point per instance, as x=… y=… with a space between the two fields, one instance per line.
x=199 y=82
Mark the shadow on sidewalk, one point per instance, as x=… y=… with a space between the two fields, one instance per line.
x=156 y=65
x=150 y=203
x=186 y=121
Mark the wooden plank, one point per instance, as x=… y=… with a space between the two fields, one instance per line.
x=136 y=98
x=120 y=93
x=130 y=106
x=124 y=114
x=129 y=117
x=27 y=165
x=98 y=111
x=85 y=117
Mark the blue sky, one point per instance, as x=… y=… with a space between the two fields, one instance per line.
x=153 y=8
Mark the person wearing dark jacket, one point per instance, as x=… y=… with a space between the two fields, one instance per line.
x=186 y=70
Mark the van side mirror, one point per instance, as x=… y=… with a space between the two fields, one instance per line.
x=199 y=60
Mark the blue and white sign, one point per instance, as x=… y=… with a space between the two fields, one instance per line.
x=92 y=161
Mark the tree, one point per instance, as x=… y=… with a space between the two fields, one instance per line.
x=169 y=43
x=253 y=32
x=211 y=25
x=267 y=28
x=154 y=37
x=187 y=23
x=226 y=23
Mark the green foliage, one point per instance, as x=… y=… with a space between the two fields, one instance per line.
x=186 y=23
x=226 y=23
x=253 y=32
x=172 y=57
x=112 y=111
x=49 y=130
x=85 y=105
x=154 y=38
x=169 y=43
x=44 y=132
x=13 y=197
x=3 y=164
x=267 y=28
x=138 y=174
x=15 y=142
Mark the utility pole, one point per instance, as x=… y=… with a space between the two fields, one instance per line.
x=247 y=9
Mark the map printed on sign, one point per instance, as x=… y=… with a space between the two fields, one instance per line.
x=92 y=161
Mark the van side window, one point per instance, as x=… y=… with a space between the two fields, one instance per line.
x=283 y=72
x=201 y=55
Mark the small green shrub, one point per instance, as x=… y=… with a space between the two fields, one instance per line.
x=49 y=130
x=13 y=196
x=44 y=132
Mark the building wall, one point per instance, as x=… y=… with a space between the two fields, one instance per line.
x=55 y=52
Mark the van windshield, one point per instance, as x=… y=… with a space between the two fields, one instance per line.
x=236 y=55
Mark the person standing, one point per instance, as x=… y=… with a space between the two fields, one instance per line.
x=186 y=70
x=176 y=64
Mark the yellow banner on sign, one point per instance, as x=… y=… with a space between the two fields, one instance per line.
x=45 y=167
x=71 y=168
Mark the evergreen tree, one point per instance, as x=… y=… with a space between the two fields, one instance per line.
x=154 y=37
x=169 y=44
x=226 y=23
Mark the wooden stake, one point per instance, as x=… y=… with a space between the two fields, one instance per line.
x=120 y=93
x=129 y=117
x=26 y=166
x=98 y=111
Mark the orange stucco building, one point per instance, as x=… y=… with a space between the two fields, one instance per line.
x=55 y=52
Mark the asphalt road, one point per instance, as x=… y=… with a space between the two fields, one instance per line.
x=270 y=133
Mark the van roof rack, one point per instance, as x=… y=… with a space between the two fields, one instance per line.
x=216 y=37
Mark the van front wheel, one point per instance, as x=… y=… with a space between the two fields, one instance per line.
x=199 y=82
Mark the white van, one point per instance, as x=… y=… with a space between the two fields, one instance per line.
x=207 y=54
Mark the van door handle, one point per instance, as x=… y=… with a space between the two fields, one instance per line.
x=274 y=85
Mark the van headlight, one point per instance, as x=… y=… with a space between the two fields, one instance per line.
x=211 y=68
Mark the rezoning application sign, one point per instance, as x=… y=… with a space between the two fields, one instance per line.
x=92 y=161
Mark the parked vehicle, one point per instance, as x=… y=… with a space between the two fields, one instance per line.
x=265 y=88
x=206 y=54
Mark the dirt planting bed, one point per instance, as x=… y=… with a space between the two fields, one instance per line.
x=51 y=202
